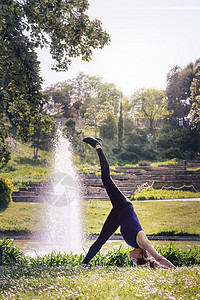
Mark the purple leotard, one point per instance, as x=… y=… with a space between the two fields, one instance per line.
x=130 y=225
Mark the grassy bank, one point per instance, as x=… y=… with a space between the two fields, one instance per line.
x=156 y=217
x=98 y=283
x=22 y=169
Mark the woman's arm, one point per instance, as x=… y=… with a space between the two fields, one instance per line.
x=145 y=244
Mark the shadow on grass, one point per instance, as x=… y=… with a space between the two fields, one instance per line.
x=175 y=233
x=31 y=161
x=2 y=209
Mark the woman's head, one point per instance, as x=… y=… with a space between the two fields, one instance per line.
x=140 y=257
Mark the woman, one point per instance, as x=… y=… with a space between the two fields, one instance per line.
x=123 y=215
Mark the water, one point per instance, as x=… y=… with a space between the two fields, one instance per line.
x=62 y=218
x=38 y=247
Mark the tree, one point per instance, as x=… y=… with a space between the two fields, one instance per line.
x=149 y=104
x=60 y=95
x=107 y=92
x=195 y=96
x=96 y=114
x=177 y=142
x=120 y=128
x=61 y=25
x=4 y=148
x=178 y=93
x=70 y=126
x=108 y=128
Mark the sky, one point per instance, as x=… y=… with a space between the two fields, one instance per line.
x=148 y=39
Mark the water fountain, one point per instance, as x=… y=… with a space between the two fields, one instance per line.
x=62 y=220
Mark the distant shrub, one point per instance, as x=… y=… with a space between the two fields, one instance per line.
x=144 y=163
x=129 y=156
x=6 y=188
x=152 y=194
x=173 y=152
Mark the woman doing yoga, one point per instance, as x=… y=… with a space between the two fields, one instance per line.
x=123 y=215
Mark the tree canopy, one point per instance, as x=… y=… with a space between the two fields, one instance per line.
x=195 y=96
x=26 y=25
x=149 y=104
x=178 y=91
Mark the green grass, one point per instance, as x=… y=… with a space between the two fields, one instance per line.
x=22 y=218
x=173 y=217
x=62 y=282
x=151 y=194
x=22 y=169
x=156 y=217
x=110 y=275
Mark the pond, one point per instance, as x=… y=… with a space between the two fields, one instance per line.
x=38 y=247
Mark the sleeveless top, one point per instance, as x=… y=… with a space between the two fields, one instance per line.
x=130 y=225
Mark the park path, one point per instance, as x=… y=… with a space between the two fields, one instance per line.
x=182 y=199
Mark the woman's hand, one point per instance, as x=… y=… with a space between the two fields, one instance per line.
x=145 y=244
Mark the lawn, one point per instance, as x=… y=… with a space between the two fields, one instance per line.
x=18 y=282
x=170 y=217
x=155 y=216
x=22 y=169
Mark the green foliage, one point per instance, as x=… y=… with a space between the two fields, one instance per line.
x=134 y=141
x=57 y=259
x=69 y=33
x=178 y=91
x=6 y=188
x=180 y=257
x=10 y=254
x=4 y=153
x=149 y=104
x=173 y=152
x=70 y=126
x=4 y=148
x=195 y=95
x=108 y=128
x=152 y=194
x=120 y=128
x=177 y=142
x=144 y=163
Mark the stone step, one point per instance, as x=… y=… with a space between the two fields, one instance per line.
x=35 y=199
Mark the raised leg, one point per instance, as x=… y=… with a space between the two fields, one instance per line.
x=116 y=196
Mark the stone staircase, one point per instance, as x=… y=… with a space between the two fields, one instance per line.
x=128 y=179
x=134 y=178
x=30 y=193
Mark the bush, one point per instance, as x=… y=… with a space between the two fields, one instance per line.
x=9 y=254
x=173 y=152
x=109 y=127
x=143 y=163
x=153 y=194
x=6 y=188
x=130 y=157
